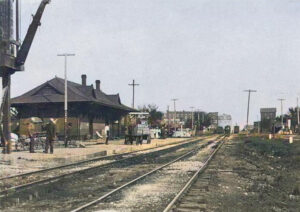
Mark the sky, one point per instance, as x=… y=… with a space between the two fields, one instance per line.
x=203 y=52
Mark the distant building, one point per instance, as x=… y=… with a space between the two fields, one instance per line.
x=268 y=117
x=214 y=119
x=224 y=120
x=183 y=116
x=180 y=116
x=268 y=113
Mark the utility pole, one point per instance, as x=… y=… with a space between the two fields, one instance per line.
x=249 y=91
x=198 y=119
x=298 y=111
x=281 y=103
x=258 y=124
x=174 y=116
x=133 y=87
x=66 y=55
x=168 y=114
x=192 y=117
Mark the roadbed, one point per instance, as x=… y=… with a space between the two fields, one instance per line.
x=252 y=174
x=22 y=162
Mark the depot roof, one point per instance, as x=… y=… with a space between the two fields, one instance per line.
x=52 y=91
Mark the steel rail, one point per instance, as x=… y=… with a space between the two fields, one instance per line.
x=92 y=160
x=192 y=180
x=51 y=179
x=83 y=207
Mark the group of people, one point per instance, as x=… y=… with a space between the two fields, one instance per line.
x=50 y=129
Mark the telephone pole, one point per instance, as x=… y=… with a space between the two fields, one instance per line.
x=281 y=104
x=249 y=91
x=174 y=116
x=133 y=88
x=66 y=55
x=298 y=111
x=168 y=116
x=192 y=117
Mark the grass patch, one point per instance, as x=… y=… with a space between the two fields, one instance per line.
x=275 y=147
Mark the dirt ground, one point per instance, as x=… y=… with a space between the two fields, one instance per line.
x=254 y=174
x=23 y=161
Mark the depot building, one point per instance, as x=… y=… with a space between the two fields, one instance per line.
x=89 y=108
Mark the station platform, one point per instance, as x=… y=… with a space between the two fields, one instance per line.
x=23 y=161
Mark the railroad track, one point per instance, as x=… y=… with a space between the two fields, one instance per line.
x=28 y=189
x=21 y=181
x=111 y=197
x=188 y=197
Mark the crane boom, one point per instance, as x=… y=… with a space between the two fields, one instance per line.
x=36 y=22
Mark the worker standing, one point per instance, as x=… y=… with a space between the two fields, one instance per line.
x=106 y=130
x=68 y=140
x=30 y=136
x=51 y=135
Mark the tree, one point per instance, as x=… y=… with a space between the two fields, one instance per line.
x=292 y=115
x=155 y=116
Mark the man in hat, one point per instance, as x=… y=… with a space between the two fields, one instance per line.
x=30 y=136
x=68 y=133
x=50 y=135
x=106 y=130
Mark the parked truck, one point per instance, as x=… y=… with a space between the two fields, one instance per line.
x=138 y=128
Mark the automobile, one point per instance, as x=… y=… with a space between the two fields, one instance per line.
x=182 y=134
x=155 y=133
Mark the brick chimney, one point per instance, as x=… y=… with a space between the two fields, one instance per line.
x=98 y=85
x=83 y=79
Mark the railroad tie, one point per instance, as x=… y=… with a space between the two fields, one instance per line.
x=193 y=205
x=193 y=198
x=190 y=209
x=200 y=188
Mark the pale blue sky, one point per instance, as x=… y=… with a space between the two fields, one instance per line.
x=203 y=52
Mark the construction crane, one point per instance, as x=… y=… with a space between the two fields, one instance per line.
x=13 y=55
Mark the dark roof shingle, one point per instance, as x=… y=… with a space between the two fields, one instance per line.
x=53 y=91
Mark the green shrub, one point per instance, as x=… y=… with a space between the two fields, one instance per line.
x=270 y=147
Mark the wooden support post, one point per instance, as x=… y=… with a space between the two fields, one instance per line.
x=78 y=128
x=119 y=128
x=6 y=113
x=91 y=129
